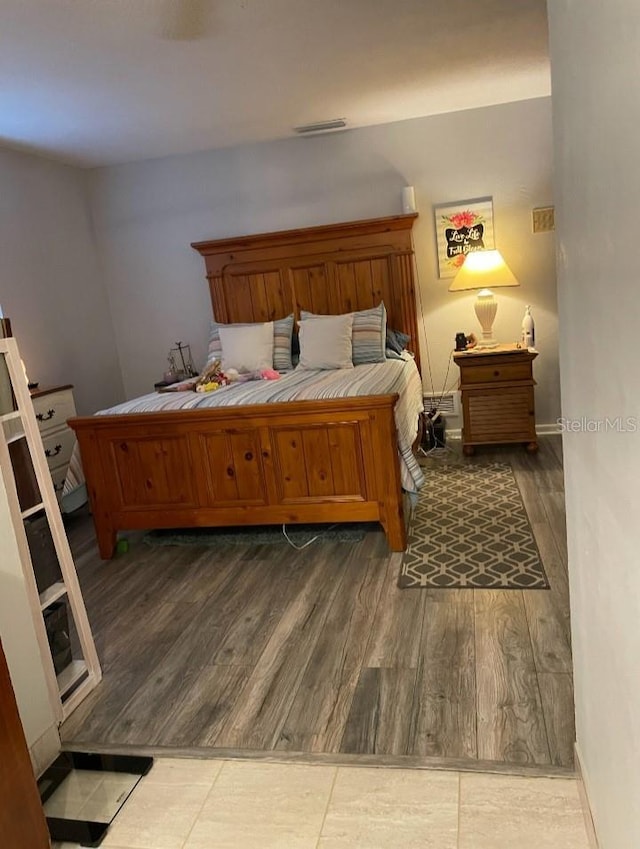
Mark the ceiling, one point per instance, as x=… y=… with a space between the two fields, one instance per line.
x=96 y=82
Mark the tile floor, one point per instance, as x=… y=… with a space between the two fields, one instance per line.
x=211 y=804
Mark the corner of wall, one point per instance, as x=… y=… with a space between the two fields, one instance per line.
x=583 y=790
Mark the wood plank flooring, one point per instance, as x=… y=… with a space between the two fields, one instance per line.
x=269 y=649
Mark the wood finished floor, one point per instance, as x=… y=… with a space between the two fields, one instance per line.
x=265 y=648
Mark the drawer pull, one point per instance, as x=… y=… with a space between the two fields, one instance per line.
x=58 y=487
x=496 y=374
x=44 y=417
x=49 y=453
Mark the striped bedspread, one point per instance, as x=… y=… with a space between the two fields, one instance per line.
x=391 y=376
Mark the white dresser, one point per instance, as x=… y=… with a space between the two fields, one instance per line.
x=52 y=408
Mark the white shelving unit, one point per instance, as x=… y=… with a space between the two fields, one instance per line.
x=72 y=683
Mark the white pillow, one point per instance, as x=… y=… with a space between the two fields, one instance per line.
x=325 y=343
x=247 y=348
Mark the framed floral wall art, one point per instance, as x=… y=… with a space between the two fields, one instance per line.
x=462 y=227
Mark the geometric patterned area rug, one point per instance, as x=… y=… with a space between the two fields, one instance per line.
x=470 y=530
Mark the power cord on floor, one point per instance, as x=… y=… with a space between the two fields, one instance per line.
x=302 y=547
x=424 y=326
x=440 y=449
x=444 y=382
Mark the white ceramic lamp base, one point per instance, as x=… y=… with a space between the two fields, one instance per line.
x=486 y=308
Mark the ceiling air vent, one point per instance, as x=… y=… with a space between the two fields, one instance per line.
x=321 y=127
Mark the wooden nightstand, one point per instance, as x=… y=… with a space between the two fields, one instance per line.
x=498 y=406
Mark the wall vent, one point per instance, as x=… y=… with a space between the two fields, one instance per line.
x=321 y=127
x=543 y=219
x=448 y=404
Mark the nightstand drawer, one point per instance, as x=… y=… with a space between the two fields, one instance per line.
x=53 y=410
x=498 y=373
x=58 y=447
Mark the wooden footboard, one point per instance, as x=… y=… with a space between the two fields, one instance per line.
x=307 y=461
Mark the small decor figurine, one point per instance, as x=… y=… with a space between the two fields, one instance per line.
x=180 y=363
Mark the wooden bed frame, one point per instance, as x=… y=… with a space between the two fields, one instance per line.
x=309 y=461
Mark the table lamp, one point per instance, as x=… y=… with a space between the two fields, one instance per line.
x=481 y=270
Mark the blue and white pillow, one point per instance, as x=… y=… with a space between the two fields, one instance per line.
x=282 y=332
x=369 y=333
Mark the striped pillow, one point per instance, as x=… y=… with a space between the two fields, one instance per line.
x=368 y=339
x=282 y=330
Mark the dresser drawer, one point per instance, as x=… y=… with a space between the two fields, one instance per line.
x=53 y=410
x=58 y=447
x=498 y=373
x=58 y=476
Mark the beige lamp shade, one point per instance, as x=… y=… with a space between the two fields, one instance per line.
x=483 y=270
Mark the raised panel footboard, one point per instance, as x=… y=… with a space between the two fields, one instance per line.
x=310 y=461
x=232 y=459
x=318 y=462
x=150 y=471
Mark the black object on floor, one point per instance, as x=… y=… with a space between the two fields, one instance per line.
x=87 y=832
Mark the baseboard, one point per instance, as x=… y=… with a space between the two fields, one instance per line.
x=584 y=800
x=548 y=429
x=45 y=750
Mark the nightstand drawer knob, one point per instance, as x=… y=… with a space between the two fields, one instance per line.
x=42 y=417
x=496 y=374
x=53 y=453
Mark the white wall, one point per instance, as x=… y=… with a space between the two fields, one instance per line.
x=19 y=637
x=147 y=214
x=50 y=284
x=596 y=110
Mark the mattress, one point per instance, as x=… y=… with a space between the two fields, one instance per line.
x=391 y=376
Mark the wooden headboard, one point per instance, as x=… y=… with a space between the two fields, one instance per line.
x=332 y=269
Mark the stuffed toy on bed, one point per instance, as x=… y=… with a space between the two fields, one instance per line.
x=243 y=376
x=213 y=377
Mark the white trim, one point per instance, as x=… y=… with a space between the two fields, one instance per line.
x=589 y=825
x=546 y=429
x=45 y=750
